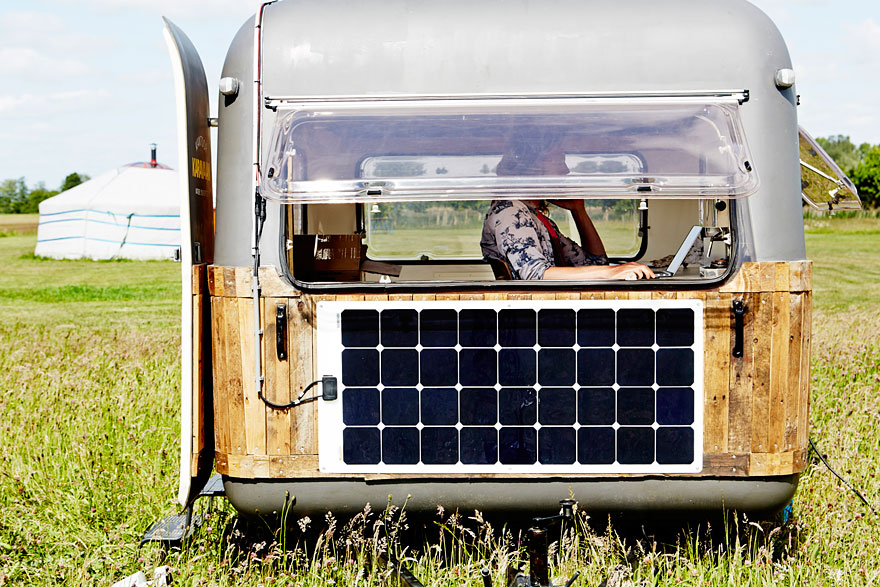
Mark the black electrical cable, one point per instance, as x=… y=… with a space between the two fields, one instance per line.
x=844 y=481
x=299 y=400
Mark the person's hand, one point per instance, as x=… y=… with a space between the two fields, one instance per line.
x=632 y=270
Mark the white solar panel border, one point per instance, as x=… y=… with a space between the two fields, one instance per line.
x=329 y=362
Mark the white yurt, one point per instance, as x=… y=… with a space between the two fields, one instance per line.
x=132 y=212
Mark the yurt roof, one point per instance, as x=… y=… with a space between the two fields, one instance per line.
x=132 y=187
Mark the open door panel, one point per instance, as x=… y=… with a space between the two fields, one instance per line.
x=196 y=252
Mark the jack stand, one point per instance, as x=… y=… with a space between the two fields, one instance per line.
x=538 y=544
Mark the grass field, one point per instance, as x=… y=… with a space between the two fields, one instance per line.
x=88 y=448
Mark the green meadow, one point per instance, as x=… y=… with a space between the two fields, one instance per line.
x=89 y=427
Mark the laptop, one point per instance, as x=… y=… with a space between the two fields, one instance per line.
x=683 y=250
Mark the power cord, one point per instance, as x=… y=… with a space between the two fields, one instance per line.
x=844 y=481
x=299 y=400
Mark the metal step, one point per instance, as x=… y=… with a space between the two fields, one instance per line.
x=172 y=530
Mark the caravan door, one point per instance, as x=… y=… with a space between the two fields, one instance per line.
x=196 y=252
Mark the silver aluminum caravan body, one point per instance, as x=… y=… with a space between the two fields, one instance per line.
x=353 y=365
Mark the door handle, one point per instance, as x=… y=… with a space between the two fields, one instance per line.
x=281 y=331
x=739 y=311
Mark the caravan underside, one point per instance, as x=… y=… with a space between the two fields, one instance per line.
x=514 y=497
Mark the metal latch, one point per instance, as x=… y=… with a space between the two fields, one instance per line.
x=739 y=311
x=281 y=331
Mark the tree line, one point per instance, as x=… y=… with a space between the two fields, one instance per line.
x=861 y=163
x=17 y=198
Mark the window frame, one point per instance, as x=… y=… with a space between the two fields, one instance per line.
x=317 y=287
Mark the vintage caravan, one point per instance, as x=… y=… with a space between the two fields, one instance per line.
x=344 y=337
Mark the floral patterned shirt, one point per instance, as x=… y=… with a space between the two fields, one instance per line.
x=512 y=232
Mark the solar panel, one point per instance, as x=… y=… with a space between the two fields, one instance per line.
x=554 y=386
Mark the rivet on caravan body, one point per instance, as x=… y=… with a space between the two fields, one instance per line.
x=784 y=78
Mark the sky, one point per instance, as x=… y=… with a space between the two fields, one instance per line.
x=87 y=84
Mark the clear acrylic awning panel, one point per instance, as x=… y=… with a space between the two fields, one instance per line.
x=508 y=148
x=824 y=185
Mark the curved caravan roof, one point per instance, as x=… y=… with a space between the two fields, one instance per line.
x=131 y=212
x=516 y=47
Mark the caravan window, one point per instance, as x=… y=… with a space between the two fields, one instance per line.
x=415 y=178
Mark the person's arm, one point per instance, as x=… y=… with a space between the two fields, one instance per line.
x=592 y=243
x=590 y=240
x=629 y=270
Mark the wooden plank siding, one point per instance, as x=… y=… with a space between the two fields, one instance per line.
x=716 y=380
x=202 y=385
x=277 y=382
x=755 y=407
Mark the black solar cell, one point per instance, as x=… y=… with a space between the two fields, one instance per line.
x=595 y=328
x=557 y=406
x=596 y=445
x=556 y=446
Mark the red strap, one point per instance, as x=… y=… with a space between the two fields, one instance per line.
x=546 y=222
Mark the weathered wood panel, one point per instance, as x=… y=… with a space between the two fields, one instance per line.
x=780 y=382
x=254 y=408
x=714 y=465
x=794 y=399
x=755 y=407
x=277 y=382
x=732 y=464
x=804 y=395
x=716 y=384
x=742 y=373
x=222 y=373
x=751 y=277
x=300 y=338
x=761 y=347
x=202 y=375
x=235 y=397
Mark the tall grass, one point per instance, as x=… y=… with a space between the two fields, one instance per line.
x=88 y=456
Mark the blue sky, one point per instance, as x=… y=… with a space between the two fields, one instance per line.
x=87 y=83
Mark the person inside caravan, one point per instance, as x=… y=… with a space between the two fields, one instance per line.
x=519 y=233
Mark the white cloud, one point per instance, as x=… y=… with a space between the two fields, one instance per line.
x=12 y=102
x=29 y=63
x=50 y=34
x=52 y=103
x=865 y=36
x=23 y=23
